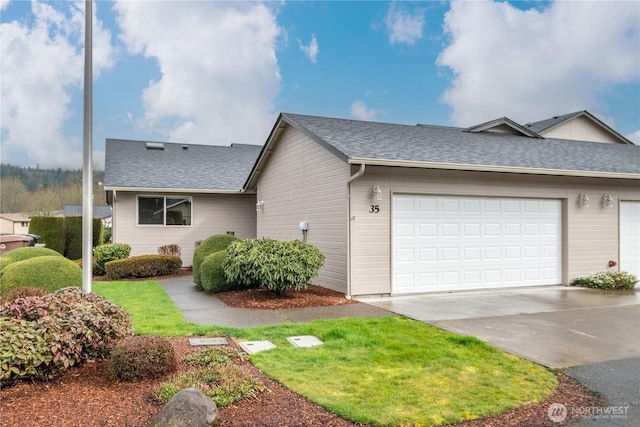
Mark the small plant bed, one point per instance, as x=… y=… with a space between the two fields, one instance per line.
x=313 y=296
x=88 y=396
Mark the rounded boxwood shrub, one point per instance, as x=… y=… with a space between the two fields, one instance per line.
x=48 y=272
x=608 y=279
x=142 y=357
x=212 y=274
x=208 y=246
x=143 y=266
x=28 y=252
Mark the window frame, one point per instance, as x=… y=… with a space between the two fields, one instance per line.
x=164 y=198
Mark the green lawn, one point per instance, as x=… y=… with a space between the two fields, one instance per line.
x=386 y=371
x=152 y=311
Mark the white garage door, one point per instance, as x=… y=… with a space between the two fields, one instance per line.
x=630 y=237
x=443 y=243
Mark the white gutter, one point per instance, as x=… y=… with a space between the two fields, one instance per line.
x=174 y=190
x=351 y=179
x=491 y=168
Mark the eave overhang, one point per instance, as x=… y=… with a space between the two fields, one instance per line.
x=493 y=168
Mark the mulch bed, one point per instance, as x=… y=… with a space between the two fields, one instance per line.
x=263 y=298
x=88 y=396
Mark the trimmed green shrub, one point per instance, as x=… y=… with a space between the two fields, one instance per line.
x=73 y=235
x=27 y=252
x=110 y=252
x=40 y=337
x=26 y=291
x=279 y=265
x=608 y=279
x=48 y=272
x=142 y=357
x=51 y=231
x=212 y=274
x=211 y=244
x=143 y=266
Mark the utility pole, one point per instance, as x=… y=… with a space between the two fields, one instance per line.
x=87 y=158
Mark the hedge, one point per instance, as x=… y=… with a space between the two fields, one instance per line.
x=73 y=235
x=51 y=231
x=143 y=266
x=64 y=234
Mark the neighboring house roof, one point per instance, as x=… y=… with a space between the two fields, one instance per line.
x=544 y=126
x=98 y=211
x=360 y=142
x=141 y=165
x=503 y=125
x=15 y=217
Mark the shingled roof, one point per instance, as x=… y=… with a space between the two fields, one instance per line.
x=141 y=165
x=543 y=126
x=453 y=148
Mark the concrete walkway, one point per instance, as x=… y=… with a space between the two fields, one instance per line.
x=199 y=307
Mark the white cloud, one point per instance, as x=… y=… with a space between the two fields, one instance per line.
x=4 y=4
x=533 y=64
x=403 y=27
x=219 y=71
x=42 y=64
x=634 y=137
x=311 y=50
x=360 y=111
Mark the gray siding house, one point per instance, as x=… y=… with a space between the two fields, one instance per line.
x=165 y=193
x=400 y=209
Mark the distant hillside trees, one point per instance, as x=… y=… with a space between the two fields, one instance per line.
x=44 y=191
x=12 y=194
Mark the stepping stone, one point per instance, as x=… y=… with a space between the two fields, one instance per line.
x=304 y=341
x=256 y=346
x=208 y=341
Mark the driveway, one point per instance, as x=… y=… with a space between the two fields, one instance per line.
x=593 y=334
x=555 y=326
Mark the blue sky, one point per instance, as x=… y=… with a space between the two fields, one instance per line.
x=214 y=72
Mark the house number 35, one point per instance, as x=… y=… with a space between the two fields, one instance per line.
x=374 y=209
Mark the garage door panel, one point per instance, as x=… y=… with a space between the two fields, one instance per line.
x=472 y=243
x=630 y=237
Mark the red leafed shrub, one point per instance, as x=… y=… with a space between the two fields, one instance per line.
x=70 y=327
x=142 y=357
x=25 y=291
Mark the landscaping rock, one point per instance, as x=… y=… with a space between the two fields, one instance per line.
x=188 y=408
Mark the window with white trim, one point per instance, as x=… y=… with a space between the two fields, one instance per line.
x=164 y=210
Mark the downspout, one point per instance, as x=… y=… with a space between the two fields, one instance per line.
x=349 y=219
x=113 y=217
